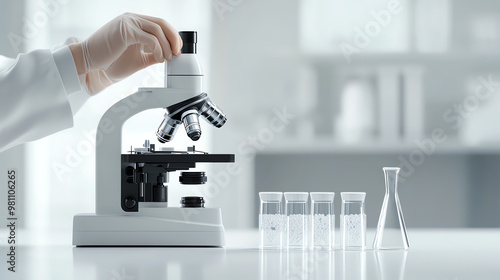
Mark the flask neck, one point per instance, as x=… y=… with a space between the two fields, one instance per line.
x=391 y=180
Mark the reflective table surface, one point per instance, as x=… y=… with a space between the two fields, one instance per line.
x=452 y=254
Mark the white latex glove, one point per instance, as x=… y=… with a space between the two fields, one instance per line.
x=122 y=47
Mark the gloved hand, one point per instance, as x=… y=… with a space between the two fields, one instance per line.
x=122 y=47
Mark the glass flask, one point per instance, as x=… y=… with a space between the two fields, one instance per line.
x=322 y=220
x=353 y=221
x=296 y=219
x=391 y=228
x=270 y=220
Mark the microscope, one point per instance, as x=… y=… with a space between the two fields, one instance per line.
x=131 y=189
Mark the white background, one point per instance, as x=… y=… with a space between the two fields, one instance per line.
x=261 y=56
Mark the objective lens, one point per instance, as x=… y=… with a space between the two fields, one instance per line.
x=192 y=124
x=213 y=114
x=167 y=129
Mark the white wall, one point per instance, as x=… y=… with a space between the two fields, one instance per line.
x=60 y=169
x=276 y=54
x=260 y=57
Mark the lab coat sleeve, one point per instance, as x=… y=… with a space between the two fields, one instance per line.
x=34 y=90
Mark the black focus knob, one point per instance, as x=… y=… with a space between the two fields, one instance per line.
x=130 y=202
x=129 y=171
x=189 y=40
x=192 y=178
x=192 y=202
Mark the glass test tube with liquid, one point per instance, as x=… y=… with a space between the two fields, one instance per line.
x=271 y=220
x=296 y=219
x=353 y=221
x=322 y=220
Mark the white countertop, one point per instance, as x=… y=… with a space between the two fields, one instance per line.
x=453 y=254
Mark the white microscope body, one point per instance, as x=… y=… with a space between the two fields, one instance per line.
x=137 y=221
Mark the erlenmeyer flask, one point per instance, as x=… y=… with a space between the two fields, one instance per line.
x=391 y=229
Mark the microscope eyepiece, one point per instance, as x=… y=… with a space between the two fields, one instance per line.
x=189 y=40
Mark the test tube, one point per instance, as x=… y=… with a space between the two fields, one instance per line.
x=271 y=220
x=322 y=220
x=353 y=221
x=296 y=219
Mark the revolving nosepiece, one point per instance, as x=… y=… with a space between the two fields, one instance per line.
x=187 y=112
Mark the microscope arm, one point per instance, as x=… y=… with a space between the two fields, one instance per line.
x=109 y=139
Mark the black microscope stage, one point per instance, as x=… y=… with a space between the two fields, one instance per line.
x=174 y=157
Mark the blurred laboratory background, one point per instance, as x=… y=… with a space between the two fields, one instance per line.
x=319 y=94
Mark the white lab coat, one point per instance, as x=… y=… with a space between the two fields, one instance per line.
x=34 y=95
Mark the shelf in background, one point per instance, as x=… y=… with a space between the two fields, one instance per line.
x=396 y=58
x=331 y=146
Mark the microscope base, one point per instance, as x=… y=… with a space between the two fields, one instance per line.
x=140 y=230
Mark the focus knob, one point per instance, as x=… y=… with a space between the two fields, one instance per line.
x=130 y=202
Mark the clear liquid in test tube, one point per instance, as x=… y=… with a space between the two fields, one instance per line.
x=271 y=220
x=296 y=220
x=353 y=221
x=322 y=220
